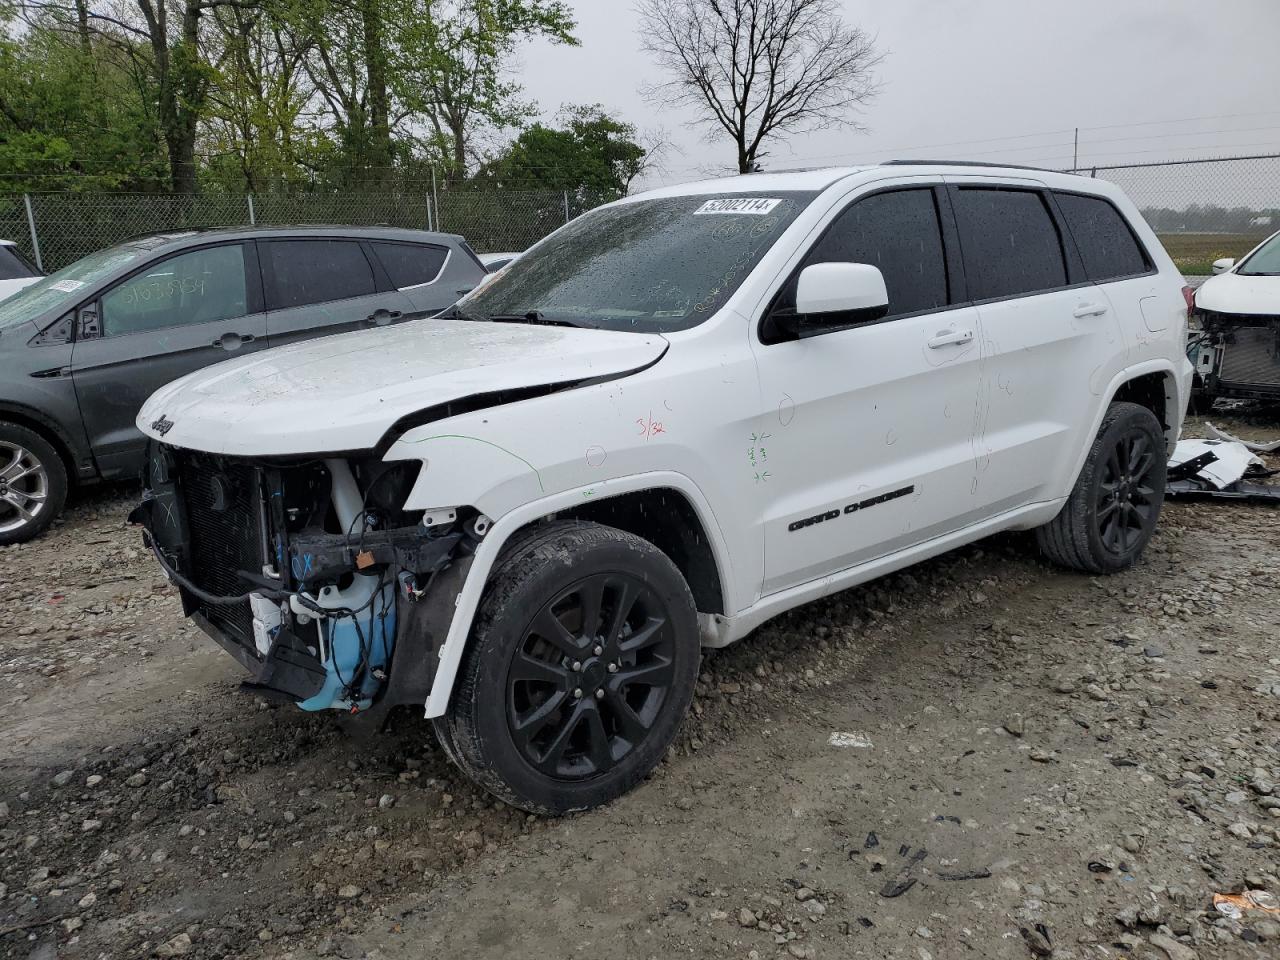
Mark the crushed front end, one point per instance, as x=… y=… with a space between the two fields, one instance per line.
x=1238 y=355
x=308 y=572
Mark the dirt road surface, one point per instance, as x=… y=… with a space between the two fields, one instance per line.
x=981 y=757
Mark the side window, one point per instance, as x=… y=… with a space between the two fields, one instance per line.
x=1010 y=242
x=299 y=272
x=196 y=287
x=898 y=232
x=1107 y=245
x=409 y=264
x=13 y=265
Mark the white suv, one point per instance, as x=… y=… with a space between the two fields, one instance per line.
x=674 y=418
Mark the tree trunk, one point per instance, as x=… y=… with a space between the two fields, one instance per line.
x=82 y=26
x=375 y=63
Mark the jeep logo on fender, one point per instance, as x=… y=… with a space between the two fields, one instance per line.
x=162 y=426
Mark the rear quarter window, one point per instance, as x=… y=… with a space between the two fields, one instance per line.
x=409 y=264
x=13 y=266
x=1104 y=238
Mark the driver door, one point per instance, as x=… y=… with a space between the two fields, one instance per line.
x=172 y=317
x=871 y=450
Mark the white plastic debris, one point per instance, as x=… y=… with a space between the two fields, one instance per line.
x=840 y=739
x=1233 y=459
x=1219 y=434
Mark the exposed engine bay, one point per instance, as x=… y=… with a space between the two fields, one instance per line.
x=1237 y=355
x=308 y=571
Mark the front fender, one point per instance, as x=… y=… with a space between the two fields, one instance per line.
x=468 y=598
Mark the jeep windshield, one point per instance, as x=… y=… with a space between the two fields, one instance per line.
x=652 y=266
x=1265 y=261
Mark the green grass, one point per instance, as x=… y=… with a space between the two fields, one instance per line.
x=1194 y=253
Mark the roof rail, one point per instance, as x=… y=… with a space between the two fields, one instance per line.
x=963 y=163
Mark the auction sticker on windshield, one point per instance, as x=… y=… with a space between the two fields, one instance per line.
x=753 y=205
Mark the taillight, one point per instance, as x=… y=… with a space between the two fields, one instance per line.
x=1189 y=295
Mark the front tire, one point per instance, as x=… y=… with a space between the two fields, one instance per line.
x=1111 y=514
x=33 y=484
x=580 y=668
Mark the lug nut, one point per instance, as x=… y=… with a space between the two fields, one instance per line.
x=577 y=693
x=598 y=650
x=613 y=668
x=600 y=694
x=577 y=666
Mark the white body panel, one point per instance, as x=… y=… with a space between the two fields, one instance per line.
x=989 y=431
x=1232 y=293
x=9 y=287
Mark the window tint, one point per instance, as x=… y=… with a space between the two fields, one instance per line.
x=1107 y=245
x=13 y=265
x=1010 y=243
x=315 y=271
x=899 y=233
x=409 y=264
x=197 y=287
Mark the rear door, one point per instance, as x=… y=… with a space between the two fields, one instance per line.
x=316 y=286
x=1049 y=341
x=172 y=317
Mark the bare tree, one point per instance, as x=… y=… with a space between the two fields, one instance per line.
x=760 y=69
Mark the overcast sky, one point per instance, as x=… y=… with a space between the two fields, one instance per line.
x=1143 y=80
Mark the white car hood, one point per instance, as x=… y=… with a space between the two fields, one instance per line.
x=344 y=392
x=1233 y=293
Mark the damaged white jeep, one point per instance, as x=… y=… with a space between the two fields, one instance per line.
x=671 y=420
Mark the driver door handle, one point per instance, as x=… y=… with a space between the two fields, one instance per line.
x=233 y=341
x=949 y=337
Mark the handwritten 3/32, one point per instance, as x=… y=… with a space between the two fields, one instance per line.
x=649 y=427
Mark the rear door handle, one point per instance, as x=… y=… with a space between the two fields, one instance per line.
x=1089 y=310
x=233 y=341
x=948 y=337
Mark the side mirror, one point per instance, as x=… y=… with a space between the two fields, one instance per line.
x=834 y=295
x=1223 y=265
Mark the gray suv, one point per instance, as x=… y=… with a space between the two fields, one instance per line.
x=81 y=349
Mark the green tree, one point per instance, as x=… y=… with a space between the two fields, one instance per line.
x=74 y=115
x=590 y=149
x=452 y=63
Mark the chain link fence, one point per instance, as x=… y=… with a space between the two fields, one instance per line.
x=1203 y=210
x=56 y=229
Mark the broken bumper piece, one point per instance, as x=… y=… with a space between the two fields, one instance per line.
x=1223 y=469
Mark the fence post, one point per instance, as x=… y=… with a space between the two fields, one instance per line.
x=566 y=206
x=253 y=220
x=31 y=225
x=435 y=193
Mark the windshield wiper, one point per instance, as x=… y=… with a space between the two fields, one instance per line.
x=535 y=317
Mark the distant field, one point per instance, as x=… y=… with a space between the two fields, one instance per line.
x=1194 y=253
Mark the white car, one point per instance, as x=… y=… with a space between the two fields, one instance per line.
x=16 y=271
x=493 y=262
x=1237 y=350
x=674 y=418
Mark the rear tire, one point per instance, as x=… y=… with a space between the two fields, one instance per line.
x=33 y=483
x=1112 y=511
x=579 y=670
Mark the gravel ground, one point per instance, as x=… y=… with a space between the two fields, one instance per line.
x=982 y=756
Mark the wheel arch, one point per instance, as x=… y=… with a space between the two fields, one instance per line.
x=48 y=431
x=699 y=552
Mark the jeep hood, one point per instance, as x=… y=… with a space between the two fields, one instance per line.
x=344 y=392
